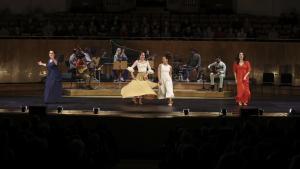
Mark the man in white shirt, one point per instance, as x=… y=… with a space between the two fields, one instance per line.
x=218 y=69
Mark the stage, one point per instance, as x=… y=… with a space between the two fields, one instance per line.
x=106 y=95
x=117 y=107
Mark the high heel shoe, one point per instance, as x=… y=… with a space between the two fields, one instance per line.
x=170 y=104
x=240 y=104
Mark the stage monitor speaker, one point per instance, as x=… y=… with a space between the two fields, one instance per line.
x=252 y=111
x=38 y=110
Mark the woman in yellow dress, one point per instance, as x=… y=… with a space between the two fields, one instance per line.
x=140 y=85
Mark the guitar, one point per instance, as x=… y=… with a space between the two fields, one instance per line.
x=82 y=69
x=214 y=70
x=81 y=66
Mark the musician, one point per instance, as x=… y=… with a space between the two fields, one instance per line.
x=94 y=65
x=72 y=63
x=149 y=56
x=83 y=71
x=117 y=55
x=87 y=55
x=120 y=75
x=193 y=65
x=218 y=69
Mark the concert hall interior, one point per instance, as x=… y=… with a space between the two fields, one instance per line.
x=150 y=84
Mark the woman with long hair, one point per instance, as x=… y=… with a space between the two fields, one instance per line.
x=164 y=75
x=53 y=86
x=140 y=86
x=241 y=69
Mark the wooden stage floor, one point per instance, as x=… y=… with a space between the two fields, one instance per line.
x=107 y=97
x=181 y=90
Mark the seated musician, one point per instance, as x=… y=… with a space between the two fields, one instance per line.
x=72 y=63
x=83 y=71
x=120 y=75
x=94 y=66
x=87 y=55
x=192 y=66
x=218 y=69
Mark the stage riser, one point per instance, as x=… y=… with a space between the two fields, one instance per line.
x=177 y=85
x=117 y=92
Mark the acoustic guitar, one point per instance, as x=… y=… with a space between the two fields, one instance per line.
x=81 y=66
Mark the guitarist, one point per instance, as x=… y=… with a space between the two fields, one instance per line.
x=218 y=69
x=83 y=71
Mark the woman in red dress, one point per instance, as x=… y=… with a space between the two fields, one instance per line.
x=241 y=69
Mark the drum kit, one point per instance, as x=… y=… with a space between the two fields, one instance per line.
x=198 y=74
x=195 y=73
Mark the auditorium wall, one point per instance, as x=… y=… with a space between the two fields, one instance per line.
x=19 y=56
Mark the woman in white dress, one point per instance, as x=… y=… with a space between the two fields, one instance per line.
x=165 y=81
x=140 y=85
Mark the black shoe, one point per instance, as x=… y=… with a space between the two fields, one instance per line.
x=220 y=89
x=212 y=87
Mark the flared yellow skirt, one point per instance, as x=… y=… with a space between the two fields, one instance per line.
x=139 y=87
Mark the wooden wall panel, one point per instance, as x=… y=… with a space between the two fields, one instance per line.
x=19 y=57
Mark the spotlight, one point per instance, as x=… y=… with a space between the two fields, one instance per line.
x=59 y=109
x=223 y=112
x=260 y=111
x=96 y=110
x=24 y=108
x=186 y=111
x=292 y=112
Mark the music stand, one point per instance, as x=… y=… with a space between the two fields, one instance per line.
x=99 y=76
x=119 y=66
x=203 y=81
x=202 y=74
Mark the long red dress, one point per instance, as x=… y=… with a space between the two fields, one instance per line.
x=243 y=91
